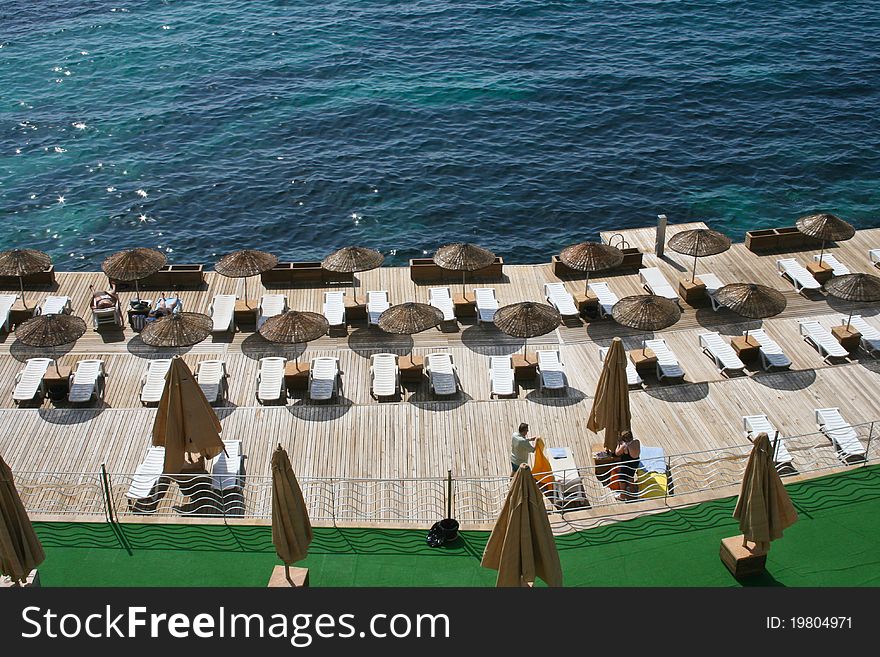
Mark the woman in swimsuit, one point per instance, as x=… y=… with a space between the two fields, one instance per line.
x=628 y=451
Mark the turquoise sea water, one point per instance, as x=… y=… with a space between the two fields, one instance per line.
x=299 y=127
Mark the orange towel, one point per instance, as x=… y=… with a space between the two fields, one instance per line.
x=542 y=472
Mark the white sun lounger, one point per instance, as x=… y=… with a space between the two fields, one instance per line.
x=441 y=299
x=87 y=381
x=874 y=255
x=668 y=366
x=633 y=380
x=837 y=267
x=384 y=375
x=441 y=373
x=226 y=467
x=29 y=381
x=822 y=339
x=841 y=434
x=551 y=371
x=147 y=474
x=323 y=378
x=486 y=304
x=606 y=297
x=797 y=275
x=870 y=336
x=558 y=297
x=212 y=379
x=112 y=316
x=501 y=377
x=153 y=380
x=377 y=303
x=721 y=352
x=270 y=379
x=334 y=308
x=713 y=284
x=655 y=282
x=755 y=424
x=223 y=313
x=56 y=306
x=771 y=353
x=6 y=303
x=270 y=305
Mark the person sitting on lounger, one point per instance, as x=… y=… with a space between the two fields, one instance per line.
x=164 y=307
x=104 y=298
x=628 y=451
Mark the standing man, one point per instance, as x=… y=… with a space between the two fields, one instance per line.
x=520 y=447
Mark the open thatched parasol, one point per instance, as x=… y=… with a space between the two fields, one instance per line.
x=646 y=312
x=699 y=242
x=409 y=318
x=245 y=263
x=463 y=257
x=751 y=300
x=863 y=288
x=21 y=263
x=826 y=227
x=294 y=327
x=50 y=331
x=133 y=265
x=177 y=330
x=351 y=259
x=589 y=257
x=527 y=319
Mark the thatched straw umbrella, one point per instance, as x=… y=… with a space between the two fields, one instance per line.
x=177 y=330
x=521 y=546
x=699 y=242
x=21 y=263
x=463 y=257
x=133 y=265
x=826 y=227
x=409 y=318
x=646 y=312
x=527 y=319
x=864 y=288
x=245 y=263
x=352 y=259
x=294 y=327
x=589 y=257
x=291 y=528
x=751 y=300
x=50 y=331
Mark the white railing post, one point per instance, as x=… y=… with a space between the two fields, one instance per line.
x=868 y=448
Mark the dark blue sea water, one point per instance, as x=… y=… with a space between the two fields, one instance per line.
x=302 y=126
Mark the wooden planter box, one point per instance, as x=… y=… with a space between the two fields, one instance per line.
x=287 y=273
x=40 y=279
x=632 y=259
x=423 y=270
x=169 y=277
x=787 y=238
x=761 y=240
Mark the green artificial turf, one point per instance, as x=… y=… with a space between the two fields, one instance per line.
x=833 y=544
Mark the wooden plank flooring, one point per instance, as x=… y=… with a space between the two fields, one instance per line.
x=419 y=436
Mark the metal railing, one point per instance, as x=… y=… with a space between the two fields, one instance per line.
x=475 y=500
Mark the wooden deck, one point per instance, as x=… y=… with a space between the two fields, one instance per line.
x=419 y=436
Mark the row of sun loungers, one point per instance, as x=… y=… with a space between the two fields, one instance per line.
x=211 y=376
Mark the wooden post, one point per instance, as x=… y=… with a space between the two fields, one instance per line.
x=660 y=242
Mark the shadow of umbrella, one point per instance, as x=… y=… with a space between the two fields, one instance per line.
x=368 y=341
x=790 y=380
x=319 y=412
x=71 y=415
x=682 y=392
x=137 y=347
x=489 y=341
x=571 y=397
x=725 y=322
x=21 y=352
x=255 y=347
x=427 y=401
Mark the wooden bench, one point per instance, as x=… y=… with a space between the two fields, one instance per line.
x=287 y=273
x=424 y=270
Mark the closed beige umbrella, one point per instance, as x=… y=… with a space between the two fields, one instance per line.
x=186 y=425
x=764 y=508
x=21 y=263
x=611 y=403
x=20 y=549
x=521 y=546
x=291 y=528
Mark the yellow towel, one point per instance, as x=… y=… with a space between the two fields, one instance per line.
x=543 y=471
x=651 y=484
